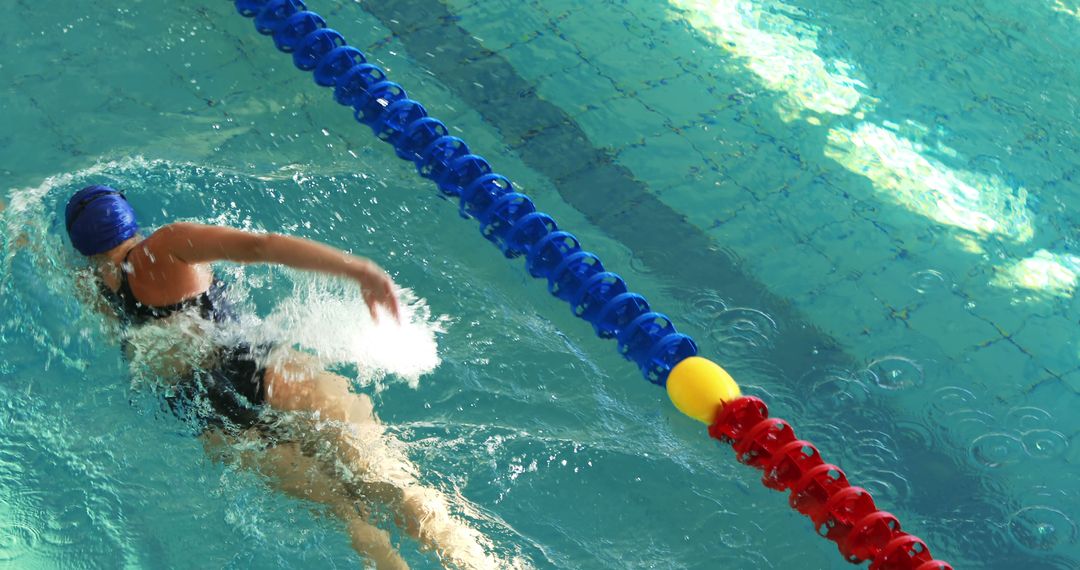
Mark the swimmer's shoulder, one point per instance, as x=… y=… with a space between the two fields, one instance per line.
x=170 y=241
x=201 y=243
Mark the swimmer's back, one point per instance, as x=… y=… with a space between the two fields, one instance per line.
x=170 y=266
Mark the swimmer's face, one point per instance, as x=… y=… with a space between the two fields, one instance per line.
x=99 y=218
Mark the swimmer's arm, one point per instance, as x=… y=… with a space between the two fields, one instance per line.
x=197 y=243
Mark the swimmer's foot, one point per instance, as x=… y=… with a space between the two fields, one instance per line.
x=428 y=518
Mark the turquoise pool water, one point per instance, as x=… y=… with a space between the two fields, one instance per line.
x=865 y=211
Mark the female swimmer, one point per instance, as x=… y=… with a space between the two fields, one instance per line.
x=316 y=439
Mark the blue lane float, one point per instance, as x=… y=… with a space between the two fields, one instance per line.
x=507 y=218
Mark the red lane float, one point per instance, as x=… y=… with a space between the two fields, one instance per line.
x=842 y=513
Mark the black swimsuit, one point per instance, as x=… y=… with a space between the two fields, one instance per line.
x=235 y=387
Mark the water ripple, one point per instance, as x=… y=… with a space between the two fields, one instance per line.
x=1027 y=418
x=997 y=449
x=951 y=398
x=1044 y=443
x=927 y=281
x=743 y=331
x=874 y=447
x=701 y=308
x=887 y=487
x=896 y=373
x=1042 y=528
x=968 y=424
x=917 y=432
x=833 y=389
x=71 y=524
x=830 y=436
x=16 y=539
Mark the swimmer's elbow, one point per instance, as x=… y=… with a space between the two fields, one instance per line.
x=249 y=248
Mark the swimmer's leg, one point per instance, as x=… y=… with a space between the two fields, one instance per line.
x=300 y=476
x=296 y=383
x=383 y=472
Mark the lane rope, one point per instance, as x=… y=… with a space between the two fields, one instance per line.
x=698 y=387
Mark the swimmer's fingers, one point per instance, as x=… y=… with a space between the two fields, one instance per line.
x=392 y=304
x=380 y=291
x=389 y=301
x=371 y=302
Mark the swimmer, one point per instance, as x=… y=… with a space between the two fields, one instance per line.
x=313 y=437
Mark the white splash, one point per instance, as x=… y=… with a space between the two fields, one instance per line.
x=329 y=318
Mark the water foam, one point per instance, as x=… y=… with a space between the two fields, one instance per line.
x=329 y=318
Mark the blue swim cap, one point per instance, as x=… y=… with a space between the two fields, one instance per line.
x=98 y=219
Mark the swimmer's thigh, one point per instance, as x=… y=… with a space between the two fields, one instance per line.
x=297 y=383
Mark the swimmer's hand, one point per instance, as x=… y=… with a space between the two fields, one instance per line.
x=377 y=288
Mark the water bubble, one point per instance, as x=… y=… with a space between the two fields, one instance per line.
x=927 y=280
x=997 y=449
x=1042 y=528
x=896 y=373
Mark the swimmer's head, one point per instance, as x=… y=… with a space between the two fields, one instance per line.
x=98 y=219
